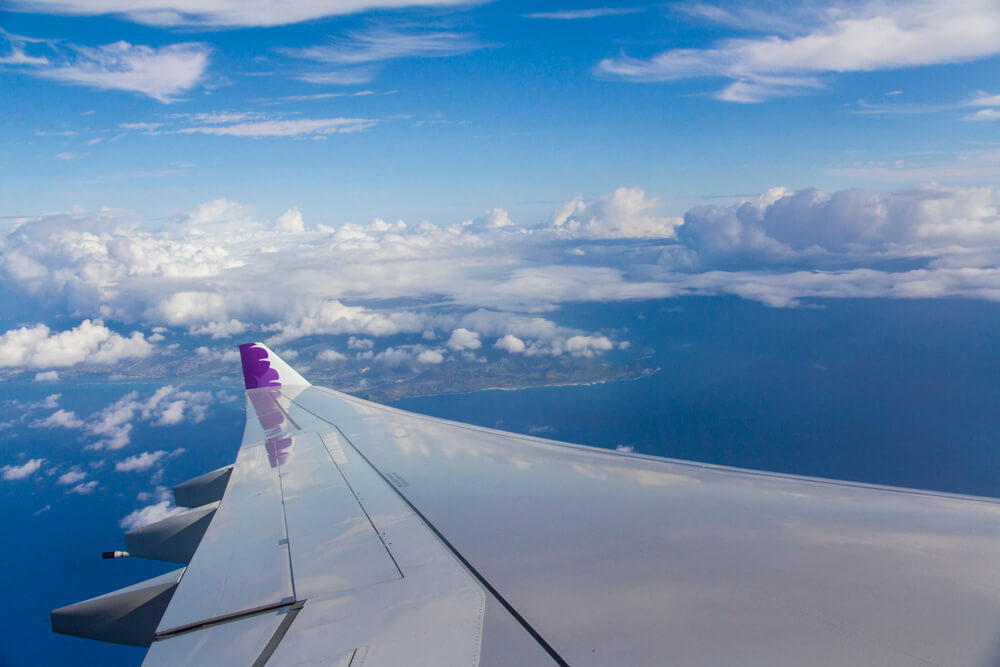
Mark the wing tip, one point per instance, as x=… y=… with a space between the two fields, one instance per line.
x=263 y=368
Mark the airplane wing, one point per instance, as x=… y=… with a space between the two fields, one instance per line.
x=352 y=533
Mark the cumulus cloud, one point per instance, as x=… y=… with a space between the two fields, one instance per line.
x=810 y=225
x=25 y=470
x=626 y=213
x=71 y=477
x=865 y=37
x=493 y=218
x=331 y=355
x=510 y=343
x=47 y=376
x=333 y=317
x=161 y=509
x=430 y=357
x=111 y=427
x=91 y=342
x=162 y=73
x=587 y=346
x=463 y=339
x=59 y=419
x=140 y=462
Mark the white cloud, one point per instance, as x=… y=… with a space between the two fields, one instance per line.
x=84 y=489
x=286 y=128
x=217 y=330
x=69 y=156
x=290 y=222
x=333 y=317
x=161 y=73
x=984 y=114
x=50 y=402
x=396 y=280
x=463 y=339
x=331 y=355
x=493 y=218
x=379 y=44
x=810 y=225
x=22 y=471
x=71 y=477
x=19 y=57
x=90 y=342
x=626 y=213
x=195 y=307
x=140 y=462
x=430 y=357
x=510 y=343
x=588 y=346
x=47 y=376
x=392 y=356
x=59 y=419
x=163 y=507
x=231 y=13
x=868 y=36
x=355 y=343
x=577 y=14
x=167 y=406
x=341 y=77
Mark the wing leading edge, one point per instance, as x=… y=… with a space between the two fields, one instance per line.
x=355 y=533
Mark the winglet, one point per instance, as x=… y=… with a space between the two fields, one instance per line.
x=263 y=368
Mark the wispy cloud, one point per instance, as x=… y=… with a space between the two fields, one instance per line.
x=380 y=44
x=984 y=114
x=17 y=56
x=575 y=14
x=871 y=37
x=285 y=128
x=161 y=73
x=218 y=13
x=318 y=96
x=344 y=77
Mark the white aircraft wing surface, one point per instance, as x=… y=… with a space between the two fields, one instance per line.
x=351 y=533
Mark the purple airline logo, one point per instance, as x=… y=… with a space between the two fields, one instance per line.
x=257 y=372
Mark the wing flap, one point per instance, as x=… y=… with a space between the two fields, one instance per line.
x=242 y=562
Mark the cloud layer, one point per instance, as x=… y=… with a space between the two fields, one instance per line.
x=483 y=286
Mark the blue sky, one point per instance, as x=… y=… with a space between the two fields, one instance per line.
x=447 y=110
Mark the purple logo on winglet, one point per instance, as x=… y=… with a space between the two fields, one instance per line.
x=257 y=372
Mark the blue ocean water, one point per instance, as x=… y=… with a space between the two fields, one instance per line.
x=903 y=393
x=892 y=392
